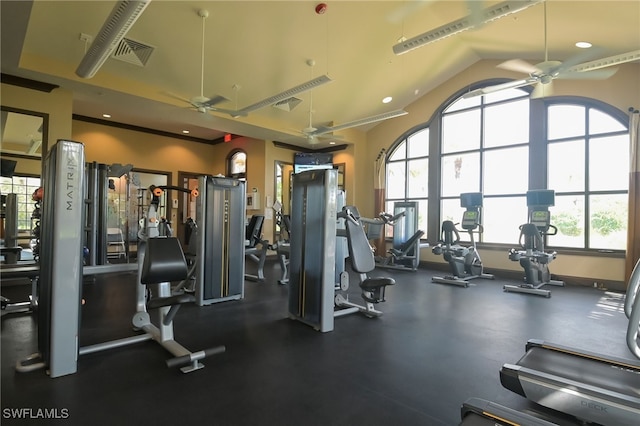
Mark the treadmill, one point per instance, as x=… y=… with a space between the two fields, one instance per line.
x=479 y=412
x=586 y=385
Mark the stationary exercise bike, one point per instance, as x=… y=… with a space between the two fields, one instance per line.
x=465 y=262
x=532 y=256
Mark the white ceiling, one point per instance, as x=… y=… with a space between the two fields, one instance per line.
x=263 y=46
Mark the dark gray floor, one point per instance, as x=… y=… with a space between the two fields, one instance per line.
x=436 y=346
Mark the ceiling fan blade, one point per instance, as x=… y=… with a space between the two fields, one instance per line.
x=581 y=57
x=489 y=14
x=361 y=122
x=232 y=113
x=407 y=9
x=311 y=84
x=600 y=74
x=177 y=97
x=518 y=65
x=214 y=100
x=498 y=87
x=606 y=62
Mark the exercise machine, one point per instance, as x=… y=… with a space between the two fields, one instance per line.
x=362 y=262
x=321 y=239
x=282 y=246
x=405 y=252
x=532 y=255
x=313 y=248
x=465 y=262
x=62 y=271
x=589 y=386
x=220 y=256
x=11 y=251
x=255 y=248
x=480 y=412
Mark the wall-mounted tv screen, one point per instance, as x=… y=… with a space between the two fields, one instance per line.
x=541 y=197
x=471 y=199
x=7 y=167
x=303 y=161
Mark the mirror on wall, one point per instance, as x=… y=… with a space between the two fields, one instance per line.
x=283 y=172
x=24 y=133
x=340 y=168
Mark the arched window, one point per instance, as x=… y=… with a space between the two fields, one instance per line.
x=237 y=164
x=503 y=144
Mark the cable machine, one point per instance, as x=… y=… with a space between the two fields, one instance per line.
x=221 y=216
x=313 y=248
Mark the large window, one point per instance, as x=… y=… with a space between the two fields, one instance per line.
x=23 y=187
x=408 y=174
x=503 y=144
x=588 y=157
x=485 y=148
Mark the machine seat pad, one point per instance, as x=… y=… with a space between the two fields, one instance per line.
x=164 y=261
x=375 y=283
x=159 y=302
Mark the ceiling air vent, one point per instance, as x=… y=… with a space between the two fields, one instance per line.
x=133 y=52
x=287 y=104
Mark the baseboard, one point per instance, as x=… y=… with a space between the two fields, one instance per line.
x=618 y=286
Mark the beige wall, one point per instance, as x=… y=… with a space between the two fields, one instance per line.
x=622 y=91
x=57 y=104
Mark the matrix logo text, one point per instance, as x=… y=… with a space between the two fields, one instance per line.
x=35 y=413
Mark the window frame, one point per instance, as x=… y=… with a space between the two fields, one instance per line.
x=27 y=192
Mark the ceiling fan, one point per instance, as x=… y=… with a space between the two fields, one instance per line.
x=314 y=135
x=203 y=103
x=310 y=132
x=543 y=74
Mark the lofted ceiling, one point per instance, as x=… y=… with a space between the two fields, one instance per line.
x=263 y=48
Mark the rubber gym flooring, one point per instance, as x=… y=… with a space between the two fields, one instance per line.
x=435 y=346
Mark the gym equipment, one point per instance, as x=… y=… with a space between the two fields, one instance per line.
x=59 y=292
x=251 y=250
x=313 y=248
x=362 y=262
x=30 y=272
x=221 y=217
x=533 y=257
x=465 y=262
x=282 y=245
x=321 y=240
x=405 y=253
x=10 y=249
x=477 y=412
x=589 y=386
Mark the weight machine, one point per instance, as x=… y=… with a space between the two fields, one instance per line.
x=160 y=259
x=405 y=253
x=531 y=254
x=465 y=262
x=320 y=239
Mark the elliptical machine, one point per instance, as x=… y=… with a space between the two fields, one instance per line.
x=465 y=262
x=532 y=257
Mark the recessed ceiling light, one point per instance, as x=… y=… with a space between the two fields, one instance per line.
x=332 y=143
x=583 y=44
x=387 y=100
x=106 y=115
x=186 y=132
